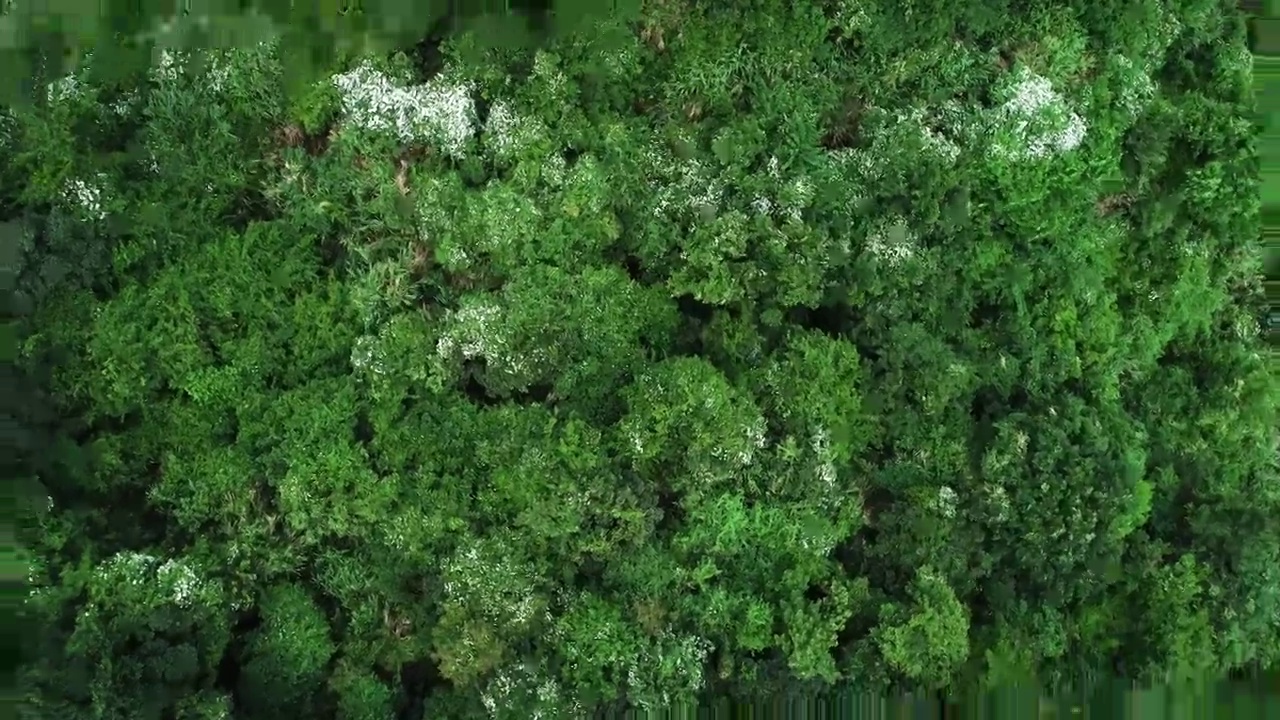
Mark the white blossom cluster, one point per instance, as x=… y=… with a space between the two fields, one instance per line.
x=1135 y=87
x=850 y=15
x=476 y=331
x=587 y=182
x=683 y=656
x=1020 y=440
x=125 y=104
x=366 y=354
x=818 y=539
x=7 y=125
x=483 y=577
x=1009 y=450
x=72 y=87
x=860 y=166
x=65 y=89
x=729 y=240
x=221 y=69
x=455 y=255
x=441 y=111
x=826 y=467
x=1246 y=326
x=734 y=452
x=86 y=198
x=681 y=185
x=35 y=575
x=1038 y=120
x=225 y=65
x=994 y=462
x=691 y=185
x=400 y=529
x=133 y=564
x=915 y=121
x=507 y=133
x=756 y=440
x=889 y=131
x=295 y=495
x=181 y=580
x=473 y=331
x=1240 y=59
x=167 y=66
x=176 y=580
x=998 y=498
x=553 y=172
x=892 y=242
x=796 y=198
x=636 y=439
x=547 y=71
x=739 y=456
x=947 y=501
x=527 y=680
x=372 y=354
x=1164 y=33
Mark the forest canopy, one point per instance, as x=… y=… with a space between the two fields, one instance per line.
x=749 y=347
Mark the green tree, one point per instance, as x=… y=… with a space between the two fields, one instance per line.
x=287 y=659
x=929 y=638
x=144 y=637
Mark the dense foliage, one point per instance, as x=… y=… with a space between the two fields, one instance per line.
x=756 y=346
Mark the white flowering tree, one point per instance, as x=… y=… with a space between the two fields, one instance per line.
x=440 y=112
x=493 y=599
x=574 y=331
x=688 y=429
x=147 y=640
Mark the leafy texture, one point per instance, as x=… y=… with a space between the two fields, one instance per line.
x=746 y=348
